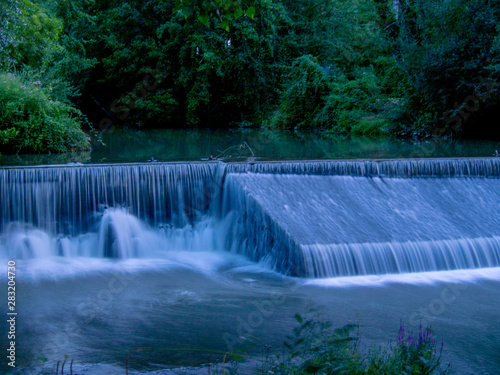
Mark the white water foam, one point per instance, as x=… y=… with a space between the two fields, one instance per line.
x=418 y=278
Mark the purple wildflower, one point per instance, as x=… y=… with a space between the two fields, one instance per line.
x=401 y=335
x=411 y=341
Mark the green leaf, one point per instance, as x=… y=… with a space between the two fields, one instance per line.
x=346 y=339
x=298 y=318
x=299 y=341
x=250 y=12
x=187 y=11
x=225 y=25
x=238 y=13
x=204 y=19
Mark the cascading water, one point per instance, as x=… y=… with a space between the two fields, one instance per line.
x=69 y=200
x=104 y=211
x=313 y=219
x=326 y=226
x=159 y=260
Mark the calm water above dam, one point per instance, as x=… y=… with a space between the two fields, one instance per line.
x=174 y=262
x=194 y=145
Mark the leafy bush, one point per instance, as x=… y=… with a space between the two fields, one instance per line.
x=316 y=348
x=321 y=98
x=33 y=121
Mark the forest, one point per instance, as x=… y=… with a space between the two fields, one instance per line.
x=420 y=69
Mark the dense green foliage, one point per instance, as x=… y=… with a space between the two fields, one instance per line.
x=415 y=69
x=38 y=69
x=34 y=121
x=448 y=50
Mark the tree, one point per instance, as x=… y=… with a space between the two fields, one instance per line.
x=210 y=75
x=28 y=32
x=446 y=49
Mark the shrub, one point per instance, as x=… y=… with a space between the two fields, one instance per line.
x=316 y=348
x=33 y=121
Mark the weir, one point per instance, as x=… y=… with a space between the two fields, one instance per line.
x=348 y=226
x=312 y=219
x=70 y=200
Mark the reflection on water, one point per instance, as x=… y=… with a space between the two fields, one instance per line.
x=198 y=144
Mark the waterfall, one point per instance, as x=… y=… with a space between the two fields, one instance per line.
x=312 y=219
x=70 y=200
x=477 y=167
x=348 y=218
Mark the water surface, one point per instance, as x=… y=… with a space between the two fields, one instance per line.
x=153 y=260
x=198 y=144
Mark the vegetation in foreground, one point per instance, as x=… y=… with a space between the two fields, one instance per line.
x=401 y=68
x=315 y=347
